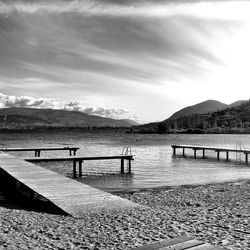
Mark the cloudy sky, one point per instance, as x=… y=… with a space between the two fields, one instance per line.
x=140 y=59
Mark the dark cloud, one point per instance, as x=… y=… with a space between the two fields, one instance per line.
x=124 y=47
x=23 y=102
x=104 y=48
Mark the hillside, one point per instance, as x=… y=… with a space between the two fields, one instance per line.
x=200 y=108
x=29 y=118
x=233 y=119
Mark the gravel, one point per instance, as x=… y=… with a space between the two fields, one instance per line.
x=218 y=214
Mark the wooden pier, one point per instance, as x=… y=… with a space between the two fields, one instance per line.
x=71 y=196
x=215 y=149
x=179 y=243
x=72 y=150
x=80 y=161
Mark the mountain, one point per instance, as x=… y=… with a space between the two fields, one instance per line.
x=29 y=118
x=234 y=118
x=200 y=108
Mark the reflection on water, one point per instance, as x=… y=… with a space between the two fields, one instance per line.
x=154 y=165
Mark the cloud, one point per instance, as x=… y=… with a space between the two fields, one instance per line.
x=111 y=113
x=145 y=8
x=141 y=49
x=8 y=101
x=115 y=53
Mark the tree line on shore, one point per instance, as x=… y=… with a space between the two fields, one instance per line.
x=230 y=120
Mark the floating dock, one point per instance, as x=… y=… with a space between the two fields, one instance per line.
x=218 y=150
x=71 y=196
x=72 y=150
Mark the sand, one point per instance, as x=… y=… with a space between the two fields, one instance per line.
x=218 y=214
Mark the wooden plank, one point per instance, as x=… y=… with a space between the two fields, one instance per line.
x=211 y=148
x=38 y=148
x=71 y=196
x=183 y=245
x=163 y=243
x=178 y=243
x=205 y=246
x=218 y=248
x=81 y=158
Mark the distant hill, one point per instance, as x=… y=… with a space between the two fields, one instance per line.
x=235 y=118
x=200 y=108
x=237 y=103
x=30 y=118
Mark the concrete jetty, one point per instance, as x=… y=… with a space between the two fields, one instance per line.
x=71 y=196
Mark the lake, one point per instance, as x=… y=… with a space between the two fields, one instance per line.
x=154 y=165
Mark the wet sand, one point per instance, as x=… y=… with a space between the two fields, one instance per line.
x=218 y=214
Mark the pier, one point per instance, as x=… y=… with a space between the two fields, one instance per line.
x=217 y=150
x=70 y=196
x=37 y=150
x=80 y=161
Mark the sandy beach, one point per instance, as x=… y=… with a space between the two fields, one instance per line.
x=218 y=214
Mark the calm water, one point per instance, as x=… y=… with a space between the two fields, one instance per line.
x=154 y=165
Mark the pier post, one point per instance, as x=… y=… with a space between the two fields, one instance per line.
x=246 y=154
x=122 y=165
x=129 y=165
x=194 y=153
x=203 y=154
x=227 y=153
x=218 y=155
x=80 y=168
x=74 y=168
x=74 y=152
x=174 y=150
x=183 y=151
x=70 y=152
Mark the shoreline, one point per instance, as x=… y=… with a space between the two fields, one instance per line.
x=166 y=188
x=215 y=213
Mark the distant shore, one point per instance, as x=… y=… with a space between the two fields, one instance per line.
x=215 y=213
x=121 y=130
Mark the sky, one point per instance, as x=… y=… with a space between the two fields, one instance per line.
x=141 y=60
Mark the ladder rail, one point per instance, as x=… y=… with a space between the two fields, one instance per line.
x=126 y=151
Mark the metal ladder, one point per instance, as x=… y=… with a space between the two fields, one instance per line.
x=126 y=151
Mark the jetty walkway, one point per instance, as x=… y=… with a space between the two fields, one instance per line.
x=80 y=161
x=218 y=150
x=71 y=196
x=72 y=150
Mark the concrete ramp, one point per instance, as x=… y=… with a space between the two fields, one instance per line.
x=69 y=195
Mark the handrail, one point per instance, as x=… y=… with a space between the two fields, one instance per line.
x=126 y=151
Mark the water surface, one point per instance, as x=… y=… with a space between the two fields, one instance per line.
x=154 y=165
